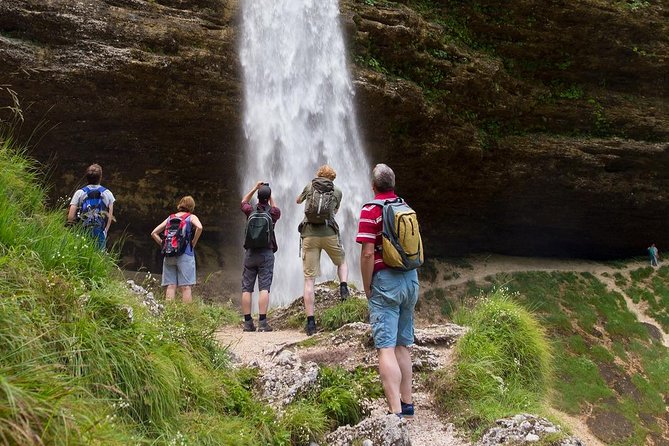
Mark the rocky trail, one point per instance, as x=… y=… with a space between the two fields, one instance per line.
x=349 y=347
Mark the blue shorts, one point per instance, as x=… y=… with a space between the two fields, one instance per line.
x=258 y=263
x=391 y=306
x=179 y=270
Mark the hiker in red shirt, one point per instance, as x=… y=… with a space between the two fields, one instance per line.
x=391 y=295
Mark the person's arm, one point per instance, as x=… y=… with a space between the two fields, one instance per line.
x=303 y=195
x=110 y=217
x=160 y=228
x=272 y=203
x=72 y=214
x=247 y=197
x=198 y=229
x=367 y=266
x=339 y=198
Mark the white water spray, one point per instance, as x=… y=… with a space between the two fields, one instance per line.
x=299 y=115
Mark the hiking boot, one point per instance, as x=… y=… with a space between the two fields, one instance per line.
x=264 y=326
x=310 y=328
x=343 y=291
x=248 y=326
x=407 y=409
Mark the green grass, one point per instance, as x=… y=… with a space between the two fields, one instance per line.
x=346 y=312
x=652 y=287
x=598 y=342
x=502 y=365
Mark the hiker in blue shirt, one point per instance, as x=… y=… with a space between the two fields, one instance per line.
x=93 y=206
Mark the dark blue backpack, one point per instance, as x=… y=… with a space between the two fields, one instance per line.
x=93 y=211
x=259 y=228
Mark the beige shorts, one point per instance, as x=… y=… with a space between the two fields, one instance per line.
x=311 y=253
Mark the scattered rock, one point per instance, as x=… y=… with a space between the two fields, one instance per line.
x=523 y=428
x=445 y=334
x=386 y=430
x=286 y=377
x=147 y=299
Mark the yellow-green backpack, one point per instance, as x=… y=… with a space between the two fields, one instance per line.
x=402 y=247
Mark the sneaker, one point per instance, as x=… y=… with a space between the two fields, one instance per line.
x=343 y=291
x=264 y=326
x=310 y=328
x=407 y=409
x=248 y=326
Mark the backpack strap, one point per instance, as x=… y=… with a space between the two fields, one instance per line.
x=382 y=203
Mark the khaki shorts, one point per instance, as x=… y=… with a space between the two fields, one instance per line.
x=311 y=253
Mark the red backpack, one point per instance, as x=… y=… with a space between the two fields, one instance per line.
x=176 y=236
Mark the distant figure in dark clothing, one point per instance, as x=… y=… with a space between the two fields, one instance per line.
x=653 y=254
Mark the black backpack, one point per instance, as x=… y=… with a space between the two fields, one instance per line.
x=93 y=211
x=321 y=202
x=259 y=228
x=176 y=236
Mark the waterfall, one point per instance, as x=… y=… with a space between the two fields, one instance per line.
x=299 y=115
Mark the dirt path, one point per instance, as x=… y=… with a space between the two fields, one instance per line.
x=483 y=266
x=488 y=265
x=257 y=346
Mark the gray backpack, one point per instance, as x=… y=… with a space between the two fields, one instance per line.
x=321 y=202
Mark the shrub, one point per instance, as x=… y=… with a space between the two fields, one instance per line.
x=346 y=312
x=305 y=422
x=502 y=365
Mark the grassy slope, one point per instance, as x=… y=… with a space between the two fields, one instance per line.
x=605 y=362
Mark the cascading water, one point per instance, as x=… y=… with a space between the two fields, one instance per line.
x=299 y=115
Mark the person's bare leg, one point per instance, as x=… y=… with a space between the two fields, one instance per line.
x=186 y=294
x=403 y=355
x=391 y=377
x=170 y=292
x=342 y=272
x=309 y=295
x=246 y=302
x=263 y=302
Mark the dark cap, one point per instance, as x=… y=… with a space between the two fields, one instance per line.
x=264 y=193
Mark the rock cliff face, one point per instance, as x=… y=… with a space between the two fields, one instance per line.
x=150 y=90
x=521 y=127
x=525 y=128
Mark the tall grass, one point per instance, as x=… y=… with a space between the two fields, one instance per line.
x=346 y=312
x=502 y=365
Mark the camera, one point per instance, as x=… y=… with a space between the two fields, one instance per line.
x=265 y=184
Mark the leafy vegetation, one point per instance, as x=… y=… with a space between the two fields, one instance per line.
x=346 y=312
x=502 y=365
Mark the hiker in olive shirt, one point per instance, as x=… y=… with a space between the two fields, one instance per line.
x=319 y=231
